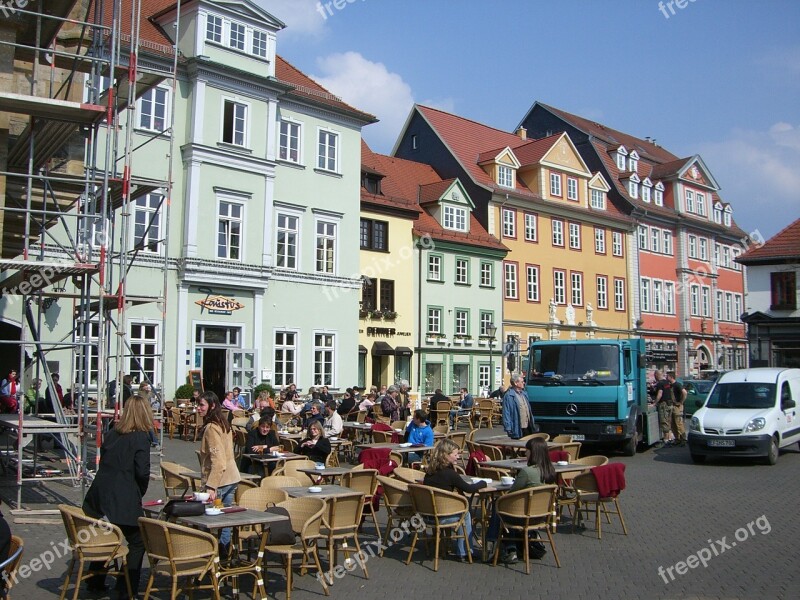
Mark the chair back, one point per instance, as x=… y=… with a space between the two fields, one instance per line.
x=305 y=515
x=175 y=484
x=491 y=452
x=409 y=475
x=381 y=437
x=459 y=437
x=396 y=457
x=562 y=438
x=240 y=422
x=435 y=503
x=363 y=480
x=442 y=428
x=399 y=425
x=104 y=539
x=242 y=487
x=491 y=472
x=289 y=444
x=361 y=417
x=291 y=469
x=573 y=449
x=528 y=505
x=344 y=514
x=543 y=436
x=176 y=544
x=280 y=481
x=395 y=493
x=261 y=497
x=8 y=567
x=596 y=460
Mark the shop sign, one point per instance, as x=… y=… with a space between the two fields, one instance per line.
x=219 y=305
x=662 y=355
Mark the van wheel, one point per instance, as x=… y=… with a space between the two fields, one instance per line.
x=772 y=455
x=698 y=459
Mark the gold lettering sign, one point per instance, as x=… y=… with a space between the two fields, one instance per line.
x=219 y=305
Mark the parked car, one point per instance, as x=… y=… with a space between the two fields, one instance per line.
x=696 y=393
x=749 y=412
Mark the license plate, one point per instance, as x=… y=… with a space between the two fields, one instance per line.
x=578 y=438
x=722 y=443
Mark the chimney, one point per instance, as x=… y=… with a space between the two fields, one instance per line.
x=522 y=133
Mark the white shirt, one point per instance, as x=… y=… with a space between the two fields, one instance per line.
x=333 y=425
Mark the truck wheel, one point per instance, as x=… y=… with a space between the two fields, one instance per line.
x=698 y=459
x=772 y=454
x=629 y=447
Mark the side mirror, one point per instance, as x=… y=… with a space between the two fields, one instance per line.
x=787 y=404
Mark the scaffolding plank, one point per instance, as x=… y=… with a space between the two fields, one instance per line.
x=50 y=108
x=31 y=276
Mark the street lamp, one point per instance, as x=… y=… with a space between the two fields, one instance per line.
x=491 y=330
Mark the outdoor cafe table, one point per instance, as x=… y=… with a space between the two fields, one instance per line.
x=515 y=464
x=504 y=441
x=199 y=475
x=326 y=491
x=327 y=473
x=399 y=448
x=268 y=457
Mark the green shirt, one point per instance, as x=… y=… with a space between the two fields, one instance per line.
x=527 y=477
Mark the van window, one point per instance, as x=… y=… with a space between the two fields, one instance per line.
x=786 y=393
x=742 y=395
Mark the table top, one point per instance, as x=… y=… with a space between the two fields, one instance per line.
x=239 y=518
x=397 y=447
x=507 y=442
x=199 y=475
x=328 y=491
x=326 y=472
x=518 y=463
x=266 y=458
x=355 y=425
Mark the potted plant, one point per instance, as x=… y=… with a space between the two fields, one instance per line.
x=390 y=314
x=376 y=314
x=262 y=387
x=363 y=313
x=184 y=392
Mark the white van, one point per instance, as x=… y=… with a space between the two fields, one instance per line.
x=749 y=412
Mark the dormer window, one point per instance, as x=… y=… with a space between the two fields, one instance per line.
x=646 y=189
x=700 y=204
x=718 y=213
x=236 y=36
x=371 y=183
x=689 y=201
x=621 y=158
x=727 y=216
x=599 y=199
x=633 y=161
x=658 y=194
x=505 y=176
x=633 y=188
x=454 y=217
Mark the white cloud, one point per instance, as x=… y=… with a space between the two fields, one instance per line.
x=758 y=173
x=371 y=87
x=301 y=16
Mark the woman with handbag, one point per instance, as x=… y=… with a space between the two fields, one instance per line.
x=220 y=475
x=121 y=481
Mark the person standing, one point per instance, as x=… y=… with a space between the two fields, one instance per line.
x=390 y=407
x=48 y=399
x=119 y=485
x=8 y=392
x=32 y=396
x=678 y=398
x=220 y=475
x=517 y=414
x=404 y=400
x=664 y=401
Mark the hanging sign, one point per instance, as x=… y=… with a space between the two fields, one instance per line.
x=219 y=305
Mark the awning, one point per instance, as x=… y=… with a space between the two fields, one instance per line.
x=382 y=349
x=403 y=351
x=362 y=349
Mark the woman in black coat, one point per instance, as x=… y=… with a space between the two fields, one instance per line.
x=316 y=446
x=121 y=481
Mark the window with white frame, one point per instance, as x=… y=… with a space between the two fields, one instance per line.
x=572 y=188
x=718 y=213
x=486 y=319
x=692 y=246
x=483 y=376
x=505 y=176
x=434 y=320
x=229 y=230
x=667 y=242
x=658 y=197
x=259 y=47
x=694 y=295
x=286 y=239
x=434 y=267
x=642 y=237
x=237 y=36
x=616 y=243
x=576 y=288
x=214 y=28
x=487 y=274
x=646 y=193
x=599 y=240
x=289 y=141
x=154 y=109
x=575 y=236
x=532 y=283
x=718 y=306
x=558 y=232
x=234 y=123
x=726 y=257
x=509 y=223
x=555 y=184
x=462 y=271
x=689 y=201
x=737 y=307
x=559 y=287
x=462 y=322
x=619 y=294
x=728 y=306
x=143 y=363
x=620 y=159
x=669 y=297
x=644 y=289
x=633 y=161
x=88 y=363
x=658 y=296
x=285 y=357
x=324 y=352
x=455 y=218
x=700 y=202
x=655 y=240
x=530 y=227
x=702 y=248
x=326 y=247
x=633 y=188
x=237 y=33
x=328 y=151
x=510 y=270
x=727 y=216
x=602 y=291
x=598 y=199
x=717 y=250
x=705 y=299
x=147 y=223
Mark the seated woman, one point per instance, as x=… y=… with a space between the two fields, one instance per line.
x=442 y=475
x=260 y=439
x=539 y=471
x=316 y=446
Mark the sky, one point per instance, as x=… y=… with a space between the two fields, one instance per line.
x=718 y=78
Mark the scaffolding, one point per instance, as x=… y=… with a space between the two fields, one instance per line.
x=68 y=187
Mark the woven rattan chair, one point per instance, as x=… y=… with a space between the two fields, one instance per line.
x=381 y=437
x=191 y=424
x=442 y=413
x=484 y=413
x=175 y=483
x=562 y=439
x=491 y=452
x=573 y=449
x=491 y=472
x=361 y=417
x=340 y=524
x=280 y=481
x=399 y=425
x=244 y=485
x=290 y=469
x=407 y=475
x=524 y=511
x=396 y=457
x=258 y=498
x=437 y=507
x=443 y=429
x=595 y=460
x=306 y=517
x=465 y=416
x=103 y=544
x=543 y=436
x=398 y=504
x=585 y=485
x=240 y=422
x=8 y=568
x=180 y=552
x=366 y=482
x=173 y=421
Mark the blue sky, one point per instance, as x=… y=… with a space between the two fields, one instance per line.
x=719 y=78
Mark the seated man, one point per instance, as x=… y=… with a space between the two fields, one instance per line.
x=332 y=425
x=316 y=415
x=260 y=439
x=348 y=403
x=418 y=432
x=464 y=407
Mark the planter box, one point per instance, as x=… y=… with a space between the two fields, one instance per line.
x=430 y=340
x=483 y=342
x=441 y=341
x=458 y=341
x=468 y=342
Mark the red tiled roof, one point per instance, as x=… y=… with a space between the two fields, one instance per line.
x=533 y=151
x=783 y=246
x=402 y=178
x=151 y=37
x=426 y=225
x=431 y=192
x=665 y=170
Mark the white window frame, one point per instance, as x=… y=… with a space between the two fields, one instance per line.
x=487 y=274
x=694 y=300
x=658 y=296
x=560 y=287
x=531 y=227
x=256 y=46
x=633 y=188
x=214 y=28
x=461 y=321
x=574 y=236
x=669 y=297
x=149 y=352
x=617 y=243
x=643 y=237
x=149 y=211
x=509 y=223
x=281 y=375
x=658 y=197
x=434 y=319
x=700 y=203
x=655 y=239
x=572 y=188
x=718 y=306
x=324 y=158
x=621 y=160
x=324 y=358
x=601 y=281
x=702 y=248
x=705 y=300
x=237 y=36
x=462 y=271
x=510 y=281
x=434 y=267
x=599 y=240
x=288 y=231
x=555 y=184
x=532 y=282
x=646 y=193
x=644 y=289
x=243 y=119
x=619 y=294
x=726 y=217
x=728 y=306
x=454 y=217
x=329 y=241
x=157 y=96
x=229 y=221
x=576 y=288
x=291 y=124
x=505 y=176
x=598 y=199
x=692 y=246
x=558 y=232
x=689 y=200
x=667 y=239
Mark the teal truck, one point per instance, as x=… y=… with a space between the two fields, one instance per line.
x=593 y=390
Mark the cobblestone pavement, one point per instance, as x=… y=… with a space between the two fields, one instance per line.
x=735 y=522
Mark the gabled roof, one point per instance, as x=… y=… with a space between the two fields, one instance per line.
x=533 y=151
x=477 y=236
x=784 y=246
x=432 y=192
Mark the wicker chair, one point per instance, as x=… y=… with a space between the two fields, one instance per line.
x=407 y=475
x=289 y=445
x=340 y=524
x=280 y=481
x=484 y=413
x=398 y=425
x=306 y=517
x=257 y=499
x=544 y=436
x=105 y=544
x=366 y=482
x=291 y=467
x=491 y=452
x=397 y=458
x=523 y=511
x=244 y=485
x=8 y=568
x=443 y=429
x=190 y=422
x=437 y=507
x=491 y=472
x=175 y=483
x=573 y=449
x=361 y=417
x=585 y=485
x=179 y=552
x=381 y=437
x=398 y=504
x=562 y=439
x=442 y=413
x=595 y=460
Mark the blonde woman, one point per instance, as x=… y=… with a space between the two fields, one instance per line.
x=442 y=475
x=316 y=446
x=119 y=485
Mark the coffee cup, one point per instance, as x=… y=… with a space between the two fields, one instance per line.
x=506 y=480
x=202 y=496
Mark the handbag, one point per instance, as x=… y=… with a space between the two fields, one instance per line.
x=182 y=507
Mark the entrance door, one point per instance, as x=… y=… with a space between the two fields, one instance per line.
x=242 y=365
x=214 y=367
